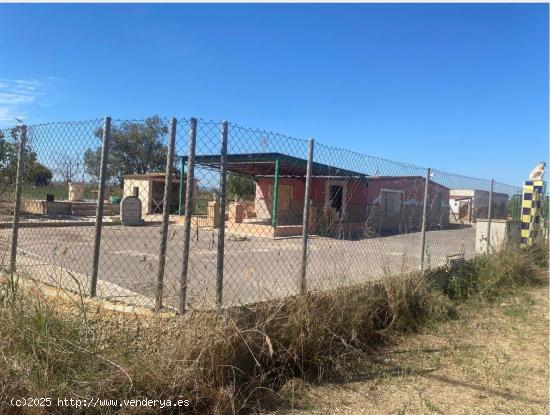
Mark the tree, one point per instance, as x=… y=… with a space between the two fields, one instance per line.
x=136 y=148
x=8 y=164
x=34 y=172
x=92 y=162
x=69 y=167
x=41 y=175
x=240 y=186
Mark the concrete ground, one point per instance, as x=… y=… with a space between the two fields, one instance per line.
x=255 y=268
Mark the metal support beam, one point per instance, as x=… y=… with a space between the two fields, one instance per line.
x=165 y=214
x=305 y=219
x=188 y=212
x=99 y=209
x=424 y=218
x=275 y=207
x=221 y=229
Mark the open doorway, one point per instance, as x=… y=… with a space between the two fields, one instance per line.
x=336 y=197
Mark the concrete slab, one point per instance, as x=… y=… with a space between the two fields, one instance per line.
x=256 y=268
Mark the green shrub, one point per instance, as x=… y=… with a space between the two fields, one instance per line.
x=491 y=276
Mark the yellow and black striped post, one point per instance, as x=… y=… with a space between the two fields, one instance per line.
x=531 y=211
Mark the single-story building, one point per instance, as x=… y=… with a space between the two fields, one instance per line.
x=341 y=200
x=376 y=204
x=468 y=205
x=149 y=188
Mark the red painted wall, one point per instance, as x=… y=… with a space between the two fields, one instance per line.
x=413 y=188
x=356 y=191
x=298 y=187
x=358 y=195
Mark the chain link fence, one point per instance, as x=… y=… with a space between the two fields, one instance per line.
x=196 y=214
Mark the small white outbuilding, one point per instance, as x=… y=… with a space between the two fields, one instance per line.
x=149 y=189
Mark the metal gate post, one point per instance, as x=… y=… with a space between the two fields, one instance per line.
x=188 y=212
x=424 y=218
x=18 y=189
x=165 y=214
x=99 y=209
x=221 y=229
x=305 y=219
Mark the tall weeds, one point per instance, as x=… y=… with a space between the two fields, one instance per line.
x=223 y=362
x=488 y=277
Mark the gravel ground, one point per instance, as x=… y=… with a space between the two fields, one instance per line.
x=255 y=268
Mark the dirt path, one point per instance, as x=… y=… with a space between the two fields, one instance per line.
x=492 y=360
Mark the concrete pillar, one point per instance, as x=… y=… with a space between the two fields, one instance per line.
x=236 y=212
x=213 y=214
x=76 y=191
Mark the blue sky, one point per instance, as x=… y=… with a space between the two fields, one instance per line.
x=458 y=87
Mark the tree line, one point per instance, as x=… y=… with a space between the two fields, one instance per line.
x=138 y=148
x=34 y=172
x=135 y=148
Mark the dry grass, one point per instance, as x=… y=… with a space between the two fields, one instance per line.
x=491 y=360
x=238 y=361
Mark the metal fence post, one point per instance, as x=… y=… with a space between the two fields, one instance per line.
x=99 y=209
x=18 y=188
x=188 y=211
x=305 y=219
x=489 y=217
x=424 y=218
x=166 y=202
x=221 y=229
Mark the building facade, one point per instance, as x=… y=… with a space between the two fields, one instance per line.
x=382 y=204
x=149 y=189
x=468 y=205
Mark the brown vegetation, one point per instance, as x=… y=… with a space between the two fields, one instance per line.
x=234 y=361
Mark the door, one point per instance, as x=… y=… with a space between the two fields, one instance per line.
x=336 y=197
